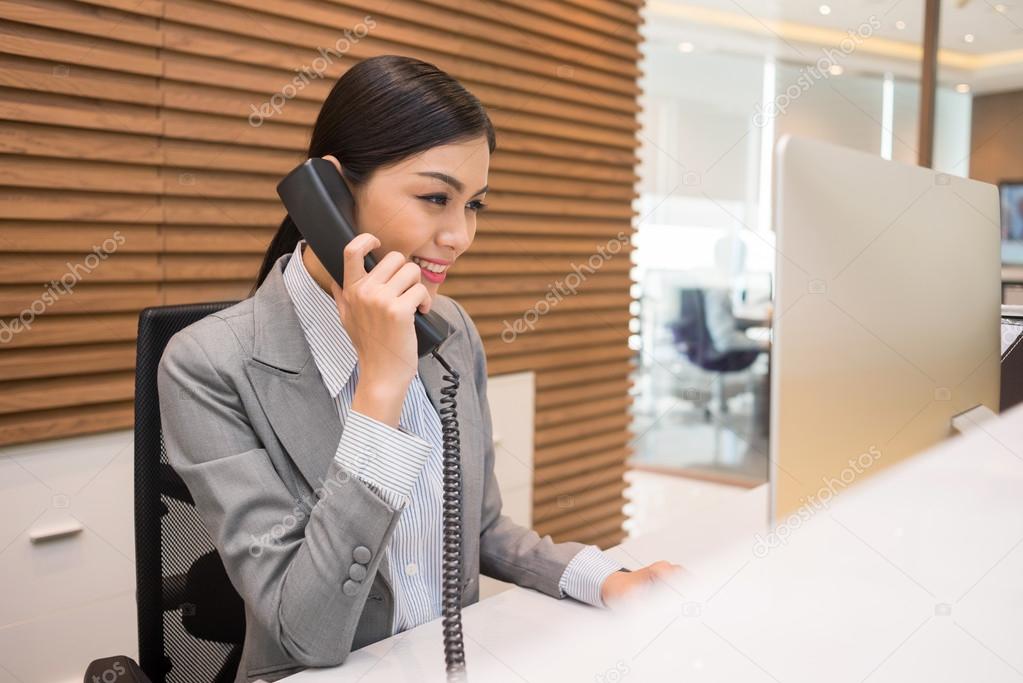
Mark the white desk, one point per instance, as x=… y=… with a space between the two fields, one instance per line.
x=914 y=574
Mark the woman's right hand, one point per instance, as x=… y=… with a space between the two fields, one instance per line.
x=377 y=309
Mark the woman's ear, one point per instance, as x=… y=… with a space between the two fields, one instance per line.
x=332 y=159
x=337 y=164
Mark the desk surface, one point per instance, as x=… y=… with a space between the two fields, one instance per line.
x=913 y=574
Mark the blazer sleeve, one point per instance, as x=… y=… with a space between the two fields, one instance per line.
x=509 y=551
x=288 y=564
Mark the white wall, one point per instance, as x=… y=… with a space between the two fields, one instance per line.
x=68 y=600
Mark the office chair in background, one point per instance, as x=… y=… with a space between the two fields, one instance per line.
x=693 y=337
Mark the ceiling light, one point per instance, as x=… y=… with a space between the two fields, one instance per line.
x=824 y=9
x=963 y=87
x=686 y=47
x=968 y=38
x=900 y=24
x=836 y=70
x=1000 y=8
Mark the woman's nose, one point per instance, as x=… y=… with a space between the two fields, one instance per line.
x=457 y=236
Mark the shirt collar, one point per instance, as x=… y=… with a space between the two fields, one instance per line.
x=332 y=348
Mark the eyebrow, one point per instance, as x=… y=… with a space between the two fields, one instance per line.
x=452 y=181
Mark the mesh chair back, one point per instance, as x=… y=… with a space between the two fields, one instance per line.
x=191 y=621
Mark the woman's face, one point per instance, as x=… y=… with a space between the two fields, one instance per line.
x=426 y=206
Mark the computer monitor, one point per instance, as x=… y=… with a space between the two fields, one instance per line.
x=886 y=317
x=1011 y=194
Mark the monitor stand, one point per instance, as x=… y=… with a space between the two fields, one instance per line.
x=972 y=418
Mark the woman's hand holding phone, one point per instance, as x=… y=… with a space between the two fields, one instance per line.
x=377 y=309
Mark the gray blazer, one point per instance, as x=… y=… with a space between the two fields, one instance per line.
x=250 y=427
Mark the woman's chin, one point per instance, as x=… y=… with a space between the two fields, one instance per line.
x=431 y=287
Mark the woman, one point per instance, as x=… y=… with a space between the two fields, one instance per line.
x=305 y=425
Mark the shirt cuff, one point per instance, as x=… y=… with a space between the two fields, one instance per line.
x=386 y=459
x=585 y=575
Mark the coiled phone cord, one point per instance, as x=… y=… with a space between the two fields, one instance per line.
x=451 y=572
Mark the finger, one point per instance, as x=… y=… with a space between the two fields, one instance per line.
x=644 y=575
x=409 y=279
x=416 y=296
x=385 y=269
x=405 y=276
x=668 y=573
x=662 y=571
x=355 y=254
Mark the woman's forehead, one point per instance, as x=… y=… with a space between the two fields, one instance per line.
x=468 y=161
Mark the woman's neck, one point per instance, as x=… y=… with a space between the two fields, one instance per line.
x=316 y=270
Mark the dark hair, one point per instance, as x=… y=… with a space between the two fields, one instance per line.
x=382 y=110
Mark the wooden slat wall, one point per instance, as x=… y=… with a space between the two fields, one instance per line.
x=124 y=129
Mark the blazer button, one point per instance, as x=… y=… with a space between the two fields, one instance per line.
x=350 y=587
x=362 y=554
x=357 y=571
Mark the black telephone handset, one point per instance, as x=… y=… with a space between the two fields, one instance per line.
x=320 y=204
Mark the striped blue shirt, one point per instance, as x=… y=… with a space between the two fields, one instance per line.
x=404 y=466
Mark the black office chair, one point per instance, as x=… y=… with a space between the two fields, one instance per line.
x=693 y=338
x=191 y=621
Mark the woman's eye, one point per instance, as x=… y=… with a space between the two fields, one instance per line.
x=476 y=205
x=440 y=199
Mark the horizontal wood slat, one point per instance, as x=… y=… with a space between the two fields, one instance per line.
x=555 y=397
x=131 y=175
x=607 y=527
x=578 y=482
x=42 y=394
x=563 y=12
x=24 y=427
x=589 y=516
x=599 y=539
x=610 y=8
x=594 y=461
x=558 y=30
x=592 y=496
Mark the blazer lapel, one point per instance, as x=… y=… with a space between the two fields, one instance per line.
x=291 y=391
x=288 y=383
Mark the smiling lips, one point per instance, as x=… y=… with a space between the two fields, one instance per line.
x=434 y=272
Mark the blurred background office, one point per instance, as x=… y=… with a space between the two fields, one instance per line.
x=722 y=82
